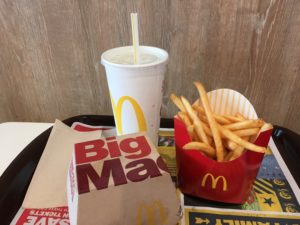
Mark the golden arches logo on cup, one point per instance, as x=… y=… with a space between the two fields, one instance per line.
x=149 y=211
x=214 y=181
x=118 y=108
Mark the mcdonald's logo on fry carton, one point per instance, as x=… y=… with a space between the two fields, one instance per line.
x=122 y=175
x=214 y=181
x=152 y=213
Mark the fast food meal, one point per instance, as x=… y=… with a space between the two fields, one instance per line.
x=220 y=137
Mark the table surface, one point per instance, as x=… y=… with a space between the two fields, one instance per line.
x=15 y=136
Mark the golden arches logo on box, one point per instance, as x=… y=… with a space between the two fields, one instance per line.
x=154 y=213
x=214 y=181
x=137 y=109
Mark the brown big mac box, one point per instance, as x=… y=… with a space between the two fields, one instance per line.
x=120 y=180
x=203 y=177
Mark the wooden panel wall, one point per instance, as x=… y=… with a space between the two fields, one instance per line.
x=49 y=53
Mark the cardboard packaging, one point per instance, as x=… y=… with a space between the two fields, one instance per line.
x=228 y=182
x=120 y=180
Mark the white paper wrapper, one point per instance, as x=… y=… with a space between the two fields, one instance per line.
x=230 y=102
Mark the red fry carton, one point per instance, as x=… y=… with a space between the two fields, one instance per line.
x=231 y=181
x=120 y=180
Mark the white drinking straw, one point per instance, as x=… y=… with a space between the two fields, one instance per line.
x=135 y=37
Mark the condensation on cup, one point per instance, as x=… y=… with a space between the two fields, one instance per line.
x=136 y=89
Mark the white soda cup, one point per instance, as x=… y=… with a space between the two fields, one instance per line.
x=136 y=89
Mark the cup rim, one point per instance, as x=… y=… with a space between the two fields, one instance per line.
x=162 y=60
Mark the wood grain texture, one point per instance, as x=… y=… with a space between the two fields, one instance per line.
x=50 y=52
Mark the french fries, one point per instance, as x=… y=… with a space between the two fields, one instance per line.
x=211 y=121
x=208 y=150
x=245 y=124
x=197 y=122
x=220 y=137
x=177 y=102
